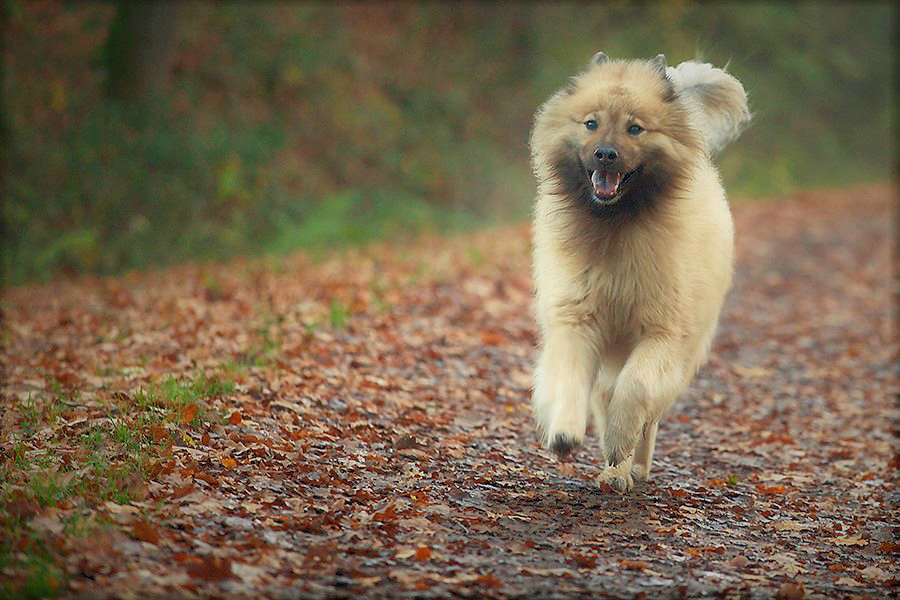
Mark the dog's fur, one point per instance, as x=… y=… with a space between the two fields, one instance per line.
x=629 y=286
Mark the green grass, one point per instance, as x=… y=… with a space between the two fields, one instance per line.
x=39 y=577
x=113 y=454
x=339 y=313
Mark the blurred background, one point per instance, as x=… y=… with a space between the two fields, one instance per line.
x=145 y=134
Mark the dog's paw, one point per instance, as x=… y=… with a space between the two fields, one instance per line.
x=563 y=445
x=620 y=477
x=566 y=431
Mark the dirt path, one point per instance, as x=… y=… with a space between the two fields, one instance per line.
x=361 y=427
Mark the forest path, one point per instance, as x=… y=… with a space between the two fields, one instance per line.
x=361 y=427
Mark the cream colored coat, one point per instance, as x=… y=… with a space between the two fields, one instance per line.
x=628 y=316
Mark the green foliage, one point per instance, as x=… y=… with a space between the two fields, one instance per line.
x=42 y=579
x=339 y=314
x=316 y=125
x=167 y=399
x=107 y=459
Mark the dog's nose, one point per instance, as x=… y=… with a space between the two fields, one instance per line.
x=606 y=155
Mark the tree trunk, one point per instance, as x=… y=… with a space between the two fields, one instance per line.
x=139 y=49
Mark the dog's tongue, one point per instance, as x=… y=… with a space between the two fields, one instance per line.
x=606 y=183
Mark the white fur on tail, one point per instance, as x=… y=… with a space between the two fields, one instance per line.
x=717 y=100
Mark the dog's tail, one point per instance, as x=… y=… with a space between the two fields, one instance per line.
x=717 y=99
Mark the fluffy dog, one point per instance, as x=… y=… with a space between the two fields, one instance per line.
x=633 y=248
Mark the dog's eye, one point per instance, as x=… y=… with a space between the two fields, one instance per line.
x=635 y=129
x=591 y=124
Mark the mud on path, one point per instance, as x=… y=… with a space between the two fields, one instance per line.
x=371 y=435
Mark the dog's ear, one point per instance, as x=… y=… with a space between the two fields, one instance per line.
x=659 y=64
x=598 y=59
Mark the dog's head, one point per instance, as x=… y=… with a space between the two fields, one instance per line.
x=615 y=135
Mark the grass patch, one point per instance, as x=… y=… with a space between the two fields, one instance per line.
x=338 y=314
x=90 y=456
x=37 y=576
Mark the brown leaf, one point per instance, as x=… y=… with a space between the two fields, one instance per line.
x=321 y=553
x=210 y=568
x=493 y=338
x=634 y=565
x=388 y=514
x=405 y=442
x=769 y=490
x=488 y=580
x=68 y=380
x=843 y=540
x=423 y=553
x=157 y=433
x=236 y=418
x=584 y=561
x=228 y=462
x=791 y=591
x=189 y=413
x=22 y=505
x=182 y=491
x=738 y=561
x=145 y=532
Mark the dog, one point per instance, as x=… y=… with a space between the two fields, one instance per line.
x=632 y=248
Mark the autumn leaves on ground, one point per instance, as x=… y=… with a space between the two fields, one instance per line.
x=360 y=426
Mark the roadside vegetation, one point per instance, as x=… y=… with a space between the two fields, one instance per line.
x=317 y=126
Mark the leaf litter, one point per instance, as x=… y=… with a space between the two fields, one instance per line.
x=162 y=440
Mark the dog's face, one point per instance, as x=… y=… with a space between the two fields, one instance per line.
x=614 y=135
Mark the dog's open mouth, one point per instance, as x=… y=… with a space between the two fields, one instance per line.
x=608 y=184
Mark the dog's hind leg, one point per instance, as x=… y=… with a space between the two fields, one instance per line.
x=643 y=452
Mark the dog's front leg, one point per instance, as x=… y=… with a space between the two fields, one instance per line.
x=565 y=374
x=647 y=385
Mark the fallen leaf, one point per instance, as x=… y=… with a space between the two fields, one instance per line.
x=843 y=540
x=210 y=568
x=488 y=580
x=792 y=526
x=182 y=491
x=876 y=573
x=583 y=561
x=388 y=514
x=189 y=413
x=791 y=591
x=634 y=565
x=145 y=532
x=405 y=442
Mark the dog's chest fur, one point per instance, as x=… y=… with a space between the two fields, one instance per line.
x=627 y=284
